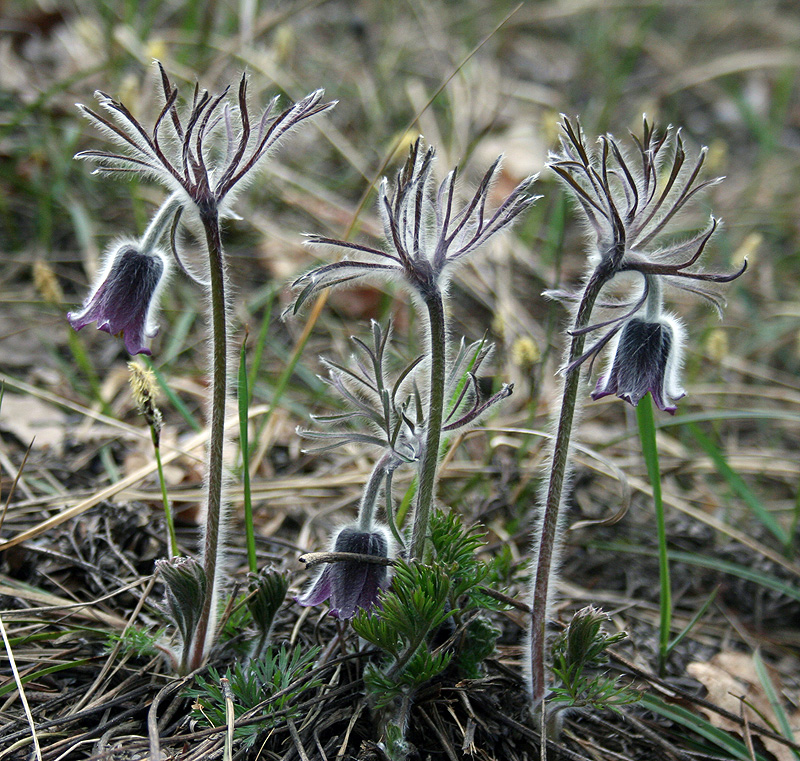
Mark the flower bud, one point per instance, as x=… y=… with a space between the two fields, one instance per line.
x=186 y=587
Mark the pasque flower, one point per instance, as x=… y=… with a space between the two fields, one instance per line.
x=646 y=356
x=351 y=584
x=629 y=205
x=425 y=238
x=126 y=296
x=201 y=153
x=628 y=202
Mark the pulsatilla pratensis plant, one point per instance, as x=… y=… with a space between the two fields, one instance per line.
x=427 y=236
x=390 y=408
x=203 y=154
x=629 y=203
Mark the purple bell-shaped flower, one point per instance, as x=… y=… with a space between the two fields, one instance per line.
x=351 y=584
x=126 y=296
x=646 y=356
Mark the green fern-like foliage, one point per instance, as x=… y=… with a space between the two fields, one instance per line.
x=477 y=644
x=579 y=655
x=231 y=633
x=251 y=684
x=457 y=547
x=135 y=642
x=421 y=623
x=415 y=606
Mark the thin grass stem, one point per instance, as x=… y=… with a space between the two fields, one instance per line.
x=261 y=341
x=741 y=489
x=647 y=435
x=405 y=503
x=693 y=622
x=78 y=351
x=174 y=399
x=391 y=517
x=288 y=370
x=173 y=541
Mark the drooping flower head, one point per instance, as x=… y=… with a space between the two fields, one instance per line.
x=351 y=584
x=126 y=296
x=206 y=152
x=425 y=234
x=646 y=356
x=201 y=156
x=629 y=204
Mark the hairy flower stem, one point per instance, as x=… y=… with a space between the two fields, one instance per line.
x=366 y=509
x=161 y=221
x=655 y=297
x=548 y=531
x=219 y=379
x=430 y=457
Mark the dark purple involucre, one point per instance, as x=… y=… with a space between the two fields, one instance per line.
x=647 y=357
x=350 y=584
x=123 y=302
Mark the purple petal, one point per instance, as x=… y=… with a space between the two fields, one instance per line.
x=350 y=585
x=319 y=591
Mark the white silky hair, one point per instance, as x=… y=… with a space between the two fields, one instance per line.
x=672 y=373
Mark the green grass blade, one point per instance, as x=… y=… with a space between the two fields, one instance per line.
x=746 y=414
x=109 y=465
x=791 y=591
x=12 y=685
x=391 y=518
x=738 y=486
x=405 y=503
x=172 y=538
x=695 y=618
x=647 y=436
x=259 y=347
x=244 y=407
x=701 y=726
x=78 y=351
x=774 y=700
x=795 y=514
x=290 y=365
x=177 y=336
x=765 y=580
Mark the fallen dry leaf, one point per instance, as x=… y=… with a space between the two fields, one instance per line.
x=28 y=417
x=729 y=678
